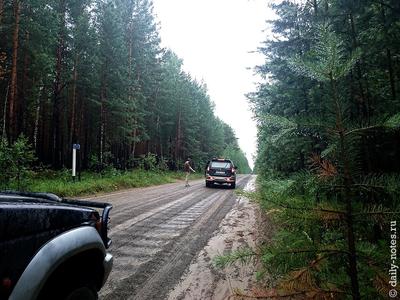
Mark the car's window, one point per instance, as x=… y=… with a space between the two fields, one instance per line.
x=220 y=164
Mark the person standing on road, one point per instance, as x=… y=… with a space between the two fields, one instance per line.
x=188 y=169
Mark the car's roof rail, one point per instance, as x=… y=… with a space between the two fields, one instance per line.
x=221 y=159
x=45 y=196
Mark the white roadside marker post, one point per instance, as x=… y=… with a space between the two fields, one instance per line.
x=74 y=148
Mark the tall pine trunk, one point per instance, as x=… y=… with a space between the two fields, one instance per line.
x=13 y=81
x=391 y=74
x=37 y=116
x=73 y=135
x=4 y=128
x=80 y=120
x=178 y=140
x=56 y=146
x=21 y=109
x=130 y=88
x=102 y=120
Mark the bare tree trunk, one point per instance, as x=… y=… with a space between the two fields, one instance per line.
x=72 y=135
x=315 y=6
x=81 y=119
x=160 y=147
x=21 y=108
x=102 y=122
x=391 y=74
x=37 y=116
x=57 y=90
x=130 y=88
x=364 y=97
x=1 y=10
x=13 y=83
x=134 y=142
x=178 y=135
x=4 y=133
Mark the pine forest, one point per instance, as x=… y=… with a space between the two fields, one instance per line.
x=327 y=108
x=93 y=73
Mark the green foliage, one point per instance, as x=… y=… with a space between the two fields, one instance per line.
x=327 y=125
x=243 y=255
x=60 y=182
x=238 y=157
x=393 y=122
x=15 y=161
x=148 y=162
x=326 y=62
x=93 y=72
x=5 y=159
x=311 y=235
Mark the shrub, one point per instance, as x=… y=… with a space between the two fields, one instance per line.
x=15 y=161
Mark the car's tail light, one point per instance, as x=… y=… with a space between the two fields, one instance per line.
x=101 y=222
x=99 y=225
x=6 y=283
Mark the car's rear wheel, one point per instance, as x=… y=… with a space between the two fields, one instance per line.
x=208 y=184
x=233 y=185
x=75 y=289
x=81 y=293
x=78 y=278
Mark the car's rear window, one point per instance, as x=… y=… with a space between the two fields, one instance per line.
x=220 y=164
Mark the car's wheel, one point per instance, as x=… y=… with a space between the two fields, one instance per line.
x=76 y=279
x=81 y=293
x=233 y=185
x=208 y=184
x=76 y=289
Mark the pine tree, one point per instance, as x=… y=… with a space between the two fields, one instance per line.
x=320 y=124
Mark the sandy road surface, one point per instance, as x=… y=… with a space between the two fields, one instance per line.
x=202 y=280
x=156 y=233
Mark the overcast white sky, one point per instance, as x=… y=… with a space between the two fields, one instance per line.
x=214 y=38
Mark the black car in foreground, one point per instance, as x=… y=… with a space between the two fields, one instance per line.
x=52 y=248
x=220 y=171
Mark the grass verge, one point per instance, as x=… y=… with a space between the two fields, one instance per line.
x=61 y=184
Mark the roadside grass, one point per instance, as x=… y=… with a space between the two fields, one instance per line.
x=61 y=183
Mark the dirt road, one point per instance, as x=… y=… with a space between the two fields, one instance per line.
x=156 y=233
x=242 y=228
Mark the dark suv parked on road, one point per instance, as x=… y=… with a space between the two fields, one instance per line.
x=52 y=248
x=220 y=171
